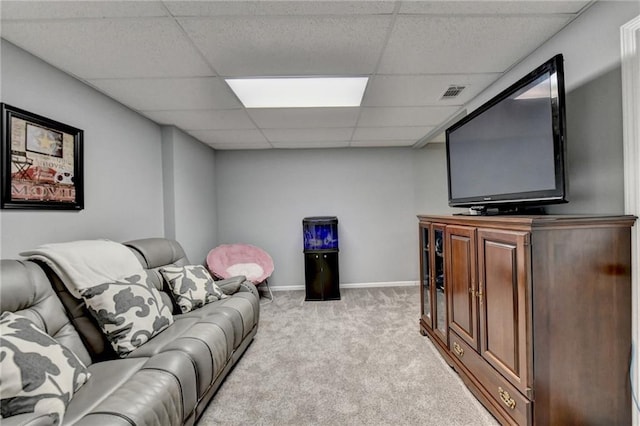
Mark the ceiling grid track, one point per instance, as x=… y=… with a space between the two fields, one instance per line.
x=168 y=60
x=394 y=16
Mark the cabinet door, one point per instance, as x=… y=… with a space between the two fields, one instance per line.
x=461 y=280
x=331 y=276
x=322 y=276
x=504 y=262
x=438 y=290
x=425 y=275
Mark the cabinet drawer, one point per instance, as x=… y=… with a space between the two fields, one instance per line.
x=504 y=395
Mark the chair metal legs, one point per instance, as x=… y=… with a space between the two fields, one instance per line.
x=266 y=283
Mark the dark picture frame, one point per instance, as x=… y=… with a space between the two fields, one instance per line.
x=42 y=162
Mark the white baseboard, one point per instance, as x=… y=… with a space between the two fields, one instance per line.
x=352 y=285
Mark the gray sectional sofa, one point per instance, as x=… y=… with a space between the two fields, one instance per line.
x=170 y=379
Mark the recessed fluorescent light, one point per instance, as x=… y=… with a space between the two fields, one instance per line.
x=303 y=92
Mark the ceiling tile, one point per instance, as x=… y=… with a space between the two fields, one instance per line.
x=221 y=119
x=239 y=146
x=292 y=118
x=404 y=116
x=158 y=94
x=404 y=133
x=380 y=144
x=79 y=9
x=289 y=46
x=491 y=7
x=308 y=145
x=165 y=59
x=221 y=8
x=421 y=90
x=228 y=137
x=308 y=135
x=110 y=48
x=421 y=44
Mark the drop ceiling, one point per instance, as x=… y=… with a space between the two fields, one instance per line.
x=167 y=60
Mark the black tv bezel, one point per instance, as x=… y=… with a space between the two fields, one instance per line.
x=514 y=201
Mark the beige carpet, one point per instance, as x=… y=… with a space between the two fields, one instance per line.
x=357 y=361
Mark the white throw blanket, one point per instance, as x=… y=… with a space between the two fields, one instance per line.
x=87 y=263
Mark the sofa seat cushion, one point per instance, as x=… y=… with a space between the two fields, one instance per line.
x=106 y=378
x=240 y=309
x=130 y=312
x=248 y=306
x=159 y=390
x=208 y=343
x=192 y=286
x=38 y=375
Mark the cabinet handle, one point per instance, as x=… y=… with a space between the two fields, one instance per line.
x=458 y=349
x=506 y=398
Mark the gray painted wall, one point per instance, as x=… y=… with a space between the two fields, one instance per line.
x=591 y=49
x=430 y=180
x=122 y=157
x=189 y=192
x=264 y=195
x=594 y=147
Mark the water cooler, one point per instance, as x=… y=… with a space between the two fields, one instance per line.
x=322 y=281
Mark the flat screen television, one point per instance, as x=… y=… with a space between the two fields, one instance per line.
x=509 y=154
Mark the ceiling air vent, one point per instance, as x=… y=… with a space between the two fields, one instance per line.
x=452 y=92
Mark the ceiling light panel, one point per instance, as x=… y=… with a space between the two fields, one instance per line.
x=299 y=92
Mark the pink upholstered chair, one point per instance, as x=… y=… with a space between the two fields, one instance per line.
x=229 y=260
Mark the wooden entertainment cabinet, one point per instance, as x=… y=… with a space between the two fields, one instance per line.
x=533 y=312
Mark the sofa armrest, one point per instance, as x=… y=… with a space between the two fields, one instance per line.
x=231 y=285
x=248 y=286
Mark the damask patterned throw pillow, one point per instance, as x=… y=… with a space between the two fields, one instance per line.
x=38 y=375
x=130 y=312
x=192 y=286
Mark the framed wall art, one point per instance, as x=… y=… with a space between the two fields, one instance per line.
x=41 y=162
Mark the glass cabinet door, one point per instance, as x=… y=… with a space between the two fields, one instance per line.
x=426 y=275
x=439 y=283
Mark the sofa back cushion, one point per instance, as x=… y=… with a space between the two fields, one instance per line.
x=95 y=341
x=26 y=291
x=155 y=254
x=38 y=374
x=129 y=311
